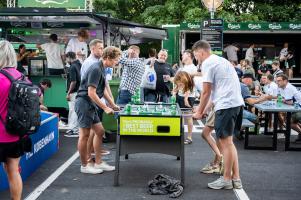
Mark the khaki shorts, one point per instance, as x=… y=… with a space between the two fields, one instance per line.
x=210 y=119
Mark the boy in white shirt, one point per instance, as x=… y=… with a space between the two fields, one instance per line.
x=79 y=45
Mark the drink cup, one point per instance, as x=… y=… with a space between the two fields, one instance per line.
x=166 y=78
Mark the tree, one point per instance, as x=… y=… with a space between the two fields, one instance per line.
x=160 y=12
x=2 y=3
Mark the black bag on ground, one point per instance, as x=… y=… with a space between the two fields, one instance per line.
x=23 y=116
x=163 y=184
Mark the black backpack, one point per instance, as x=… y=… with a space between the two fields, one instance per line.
x=23 y=116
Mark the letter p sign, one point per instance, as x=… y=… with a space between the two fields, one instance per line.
x=205 y=23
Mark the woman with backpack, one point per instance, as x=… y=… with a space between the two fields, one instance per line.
x=12 y=147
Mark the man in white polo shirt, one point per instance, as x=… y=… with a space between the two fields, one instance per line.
x=222 y=83
x=290 y=95
x=270 y=87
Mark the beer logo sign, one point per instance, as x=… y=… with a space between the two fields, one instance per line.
x=275 y=26
x=295 y=26
x=254 y=26
x=234 y=26
x=45 y=2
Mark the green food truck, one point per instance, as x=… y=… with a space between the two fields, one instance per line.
x=31 y=26
x=268 y=38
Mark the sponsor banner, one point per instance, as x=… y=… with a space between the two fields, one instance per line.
x=69 y=4
x=150 y=126
x=44 y=144
x=247 y=26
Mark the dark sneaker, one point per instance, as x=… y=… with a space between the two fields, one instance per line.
x=71 y=134
x=221 y=183
x=237 y=183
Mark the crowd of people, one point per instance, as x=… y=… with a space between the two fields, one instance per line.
x=221 y=86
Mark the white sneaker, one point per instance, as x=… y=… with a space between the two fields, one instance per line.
x=104 y=166
x=105 y=152
x=90 y=170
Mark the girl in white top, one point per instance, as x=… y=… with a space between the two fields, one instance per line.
x=185 y=97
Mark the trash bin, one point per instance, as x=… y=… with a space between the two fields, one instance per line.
x=109 y=122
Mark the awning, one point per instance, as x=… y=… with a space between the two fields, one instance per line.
x=41 y=18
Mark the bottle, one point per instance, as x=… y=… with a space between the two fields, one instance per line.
x=173 y=99
x=279 y=100
x=133 y=99
x=128 y=108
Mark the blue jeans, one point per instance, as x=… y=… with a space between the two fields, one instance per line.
x=250 y=116
x=124 y=97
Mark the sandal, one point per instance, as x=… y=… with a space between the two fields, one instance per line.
x=187 y=141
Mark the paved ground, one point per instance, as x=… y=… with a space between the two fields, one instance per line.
x=266 y=175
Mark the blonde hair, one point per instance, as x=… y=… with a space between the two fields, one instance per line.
x=94 y=42
x=134 y=47
x=111 y=52
x=8 y=57
x=185 y=78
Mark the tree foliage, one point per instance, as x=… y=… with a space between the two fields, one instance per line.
x=160 y=12
x=2 y=3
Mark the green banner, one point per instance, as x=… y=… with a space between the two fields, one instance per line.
x=249 y=26
x=263 y=26
x=69 y=4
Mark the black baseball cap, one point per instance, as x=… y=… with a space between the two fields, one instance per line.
x=248 y=75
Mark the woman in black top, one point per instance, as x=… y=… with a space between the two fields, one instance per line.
x=22 y=58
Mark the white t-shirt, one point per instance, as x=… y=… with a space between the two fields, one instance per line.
x=231 y=52
x=290 y=92
x=53 y=54
x=198 y=83
x=87 y=63
x=75 y=46
x=250 y=55
x=271 y=89
x=283 y=54
x=226 y=92
x=190 y=69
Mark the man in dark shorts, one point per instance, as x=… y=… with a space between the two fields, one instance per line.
x=91 y=90
x=221 y=82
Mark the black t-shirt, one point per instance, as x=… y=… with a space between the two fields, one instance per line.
x=74 y=75
x=163 y=69
x=265 y=68
x=93 y=77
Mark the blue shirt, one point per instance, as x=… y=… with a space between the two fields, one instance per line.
x=245 y=93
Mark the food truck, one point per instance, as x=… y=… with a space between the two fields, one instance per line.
x=31 y=26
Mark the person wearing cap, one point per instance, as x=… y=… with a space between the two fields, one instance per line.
x=252 y=83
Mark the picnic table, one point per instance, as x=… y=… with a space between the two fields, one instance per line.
x=274 y=109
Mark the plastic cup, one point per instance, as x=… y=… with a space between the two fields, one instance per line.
x=165 y=78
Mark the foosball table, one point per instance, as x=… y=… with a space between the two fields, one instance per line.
x=150 y=128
